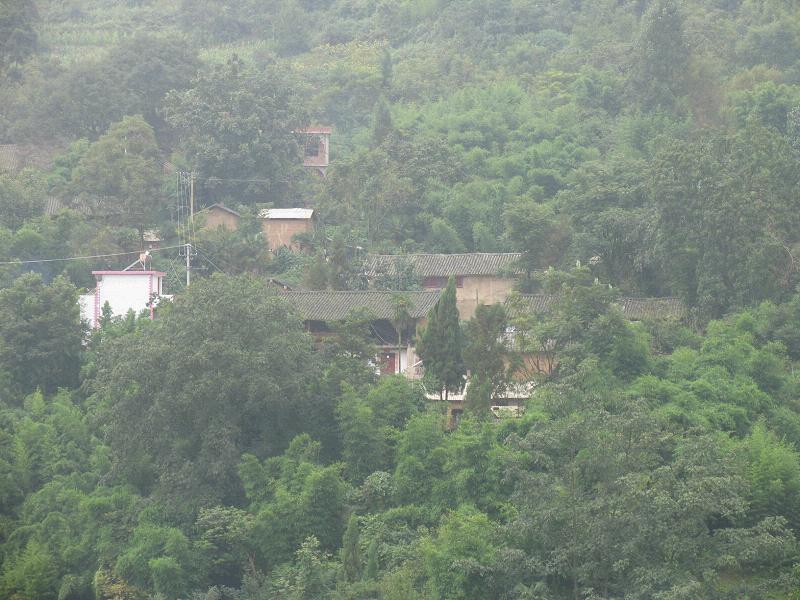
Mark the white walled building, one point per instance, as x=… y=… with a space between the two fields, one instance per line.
x=124 y=291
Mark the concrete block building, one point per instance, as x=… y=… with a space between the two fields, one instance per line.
x=481 y=278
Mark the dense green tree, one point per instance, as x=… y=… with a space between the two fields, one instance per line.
x=466 y=539
x=440 y=345
x=486 y=354
x=307 y=500
x=417 y=468
x=120 y=175
x=237 y=393
x=18 y=36
x=536 y=231
x=725 y=227
x=312 y=575
x=145 y=68
x=381 y=122
x=159 y=558
x=363 y=441
x=394 y=400
x=40 y=336
x=661 y=57
x=351 y=550
x=774 y=476
x=32 y=576
x=239 y=128
x=224 y=543
x=18 y=202
x=371 y=568
x=83 y=98
x=568 y=518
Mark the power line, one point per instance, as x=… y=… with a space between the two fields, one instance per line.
x=43 y=260
x=233 y=180
x=208 y=259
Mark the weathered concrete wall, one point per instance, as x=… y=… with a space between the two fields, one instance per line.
x=481 y=290
x=279 y=232
x=216 y=217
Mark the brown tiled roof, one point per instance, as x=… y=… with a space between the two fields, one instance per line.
x=336 y=306
x=634 y=309
x=444 y=265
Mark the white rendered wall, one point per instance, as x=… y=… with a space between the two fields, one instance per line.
x=126 y=292
x=86 y=302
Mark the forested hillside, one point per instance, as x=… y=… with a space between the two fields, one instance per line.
x=643 y=148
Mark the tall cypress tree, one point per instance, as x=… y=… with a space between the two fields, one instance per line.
x=441 y=345
x=351 y=552
x=371 y=571
x=381 y=122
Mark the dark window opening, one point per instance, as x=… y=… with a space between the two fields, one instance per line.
x=313 y=145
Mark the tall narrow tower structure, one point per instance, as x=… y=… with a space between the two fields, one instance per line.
x=316 y=156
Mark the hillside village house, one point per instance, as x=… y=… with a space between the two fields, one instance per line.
x=512 y=401
x=135 y=290
x=280 y=225
x=633 y=309
x=481 y=278
x=219 y=215
x=320 y=310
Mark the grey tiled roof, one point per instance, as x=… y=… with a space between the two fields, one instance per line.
x=634 y=309
x=14 y=157
x=52 y=206
x=444 y=265
x=223 y=208
x=10 y=159
x=652 y=308
x=336 y=306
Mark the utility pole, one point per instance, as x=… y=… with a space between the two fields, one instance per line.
x=191 y=231
x=191 y=202
x=188 y=264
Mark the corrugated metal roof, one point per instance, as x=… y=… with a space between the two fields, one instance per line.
x=336 y=306
x=286 y=213
x=444 y=265
x=634 y=309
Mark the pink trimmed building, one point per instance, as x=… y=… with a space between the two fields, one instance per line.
x=124 y=291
